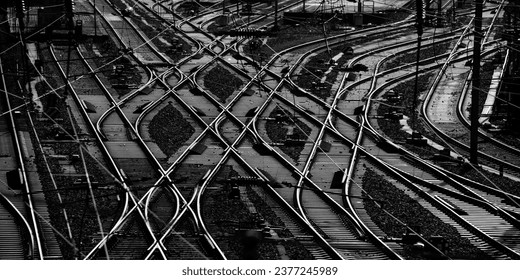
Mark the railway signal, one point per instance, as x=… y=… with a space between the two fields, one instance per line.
x=20 y=12
x=20 y=8
x=69 y=9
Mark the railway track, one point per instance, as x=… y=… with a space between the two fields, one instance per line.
x=33 y=206
x=140 y=46
x=493 y=153
x=444 y=214
x=378 y=153
x=14 y=241
x=17 y=239
x=151 y=157
x=130 y=200
x=232 y=137
x=318 y=138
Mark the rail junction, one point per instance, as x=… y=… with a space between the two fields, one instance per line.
x=276 y=129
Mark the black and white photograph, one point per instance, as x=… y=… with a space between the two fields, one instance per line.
x=256 y=130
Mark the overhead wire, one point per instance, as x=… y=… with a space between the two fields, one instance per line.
x=34 y=34
x=359 y=186
x=52 y=88
x=87 y=176
x=472 y=165
x=40 y=97
x=309 y=136
x=352 y=180
x=29 y=10
x=299 y=128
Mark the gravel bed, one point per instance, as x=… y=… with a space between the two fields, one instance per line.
x=415 y=216
x=314 y=70
x=221 y=82
x=105 y=61
x=227 y=217
x=392 y=128
x=169 y=129
x=277 y=131
x=76 y=196
x=482 y=176
x=170 y=44
x=411 y=56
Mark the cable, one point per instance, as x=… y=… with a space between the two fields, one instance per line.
x=31 y=9
x=34 y=34
x=87 y=176
x=300 y=128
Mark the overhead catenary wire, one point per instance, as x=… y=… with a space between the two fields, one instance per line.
x=53 y=90
x=51 y=87
x=92 y=196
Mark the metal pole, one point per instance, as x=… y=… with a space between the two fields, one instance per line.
x=416 y=86
x=70 y=27
x=439 y=9
x=453 y=8
x=95 y=20
x=275 y=14
x=420 y=22
x=477 y=36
